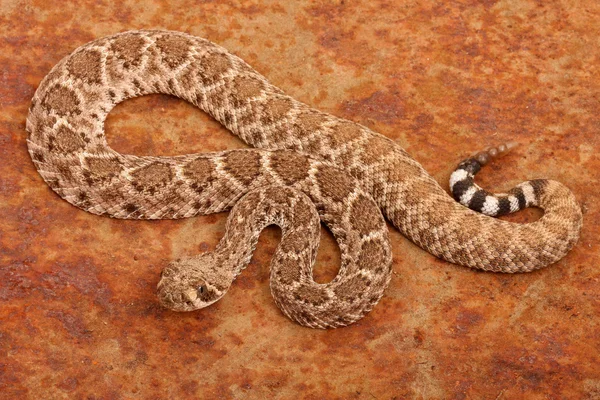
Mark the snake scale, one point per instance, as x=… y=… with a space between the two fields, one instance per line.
x=307 y=166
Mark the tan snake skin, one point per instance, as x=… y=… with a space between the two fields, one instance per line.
x=346 y=171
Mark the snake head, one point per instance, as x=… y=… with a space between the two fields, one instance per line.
x=192 y=283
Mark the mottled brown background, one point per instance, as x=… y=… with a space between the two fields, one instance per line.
x=442 y=78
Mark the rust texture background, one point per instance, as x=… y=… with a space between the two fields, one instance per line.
x=442 y=78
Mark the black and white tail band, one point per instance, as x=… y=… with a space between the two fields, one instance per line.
x=468 y=193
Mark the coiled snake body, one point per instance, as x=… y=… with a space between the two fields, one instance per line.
x=311 y=165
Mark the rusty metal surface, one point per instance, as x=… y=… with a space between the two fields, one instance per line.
x=78 y=314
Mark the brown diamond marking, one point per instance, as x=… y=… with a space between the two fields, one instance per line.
x=308 y=122
x=251 y=200
x=275 y=109
x=201 y=172
x=376 y=148
x=352 y=289
x=366 y=216
x=293 y=242
x=62 y=100
x=103 y=168
x=243 y=165
x=246 y=87
x=213 y=65
x=372 y=256
x=67 y=140
x=187 y=78
x=111 y=196
x=302 y=215
x=334 y=183
x=64 y=170
x=312 y=294
x=398 y=170
x=290 y=166
x=344 y=132
x=128 y=49
x=174 y=49
x=315 y=146
x=278 y=196
x=289 y=271
x=86 y=65
x=152 y=176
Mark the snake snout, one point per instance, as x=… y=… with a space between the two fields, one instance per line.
x=184 y=287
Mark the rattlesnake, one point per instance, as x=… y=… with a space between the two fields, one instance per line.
x=308 y=164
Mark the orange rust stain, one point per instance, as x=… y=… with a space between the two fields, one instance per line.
x=77 y=307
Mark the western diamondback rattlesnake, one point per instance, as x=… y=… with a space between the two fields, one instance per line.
x=343 y=169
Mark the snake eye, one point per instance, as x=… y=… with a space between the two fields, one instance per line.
x=202 y=290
